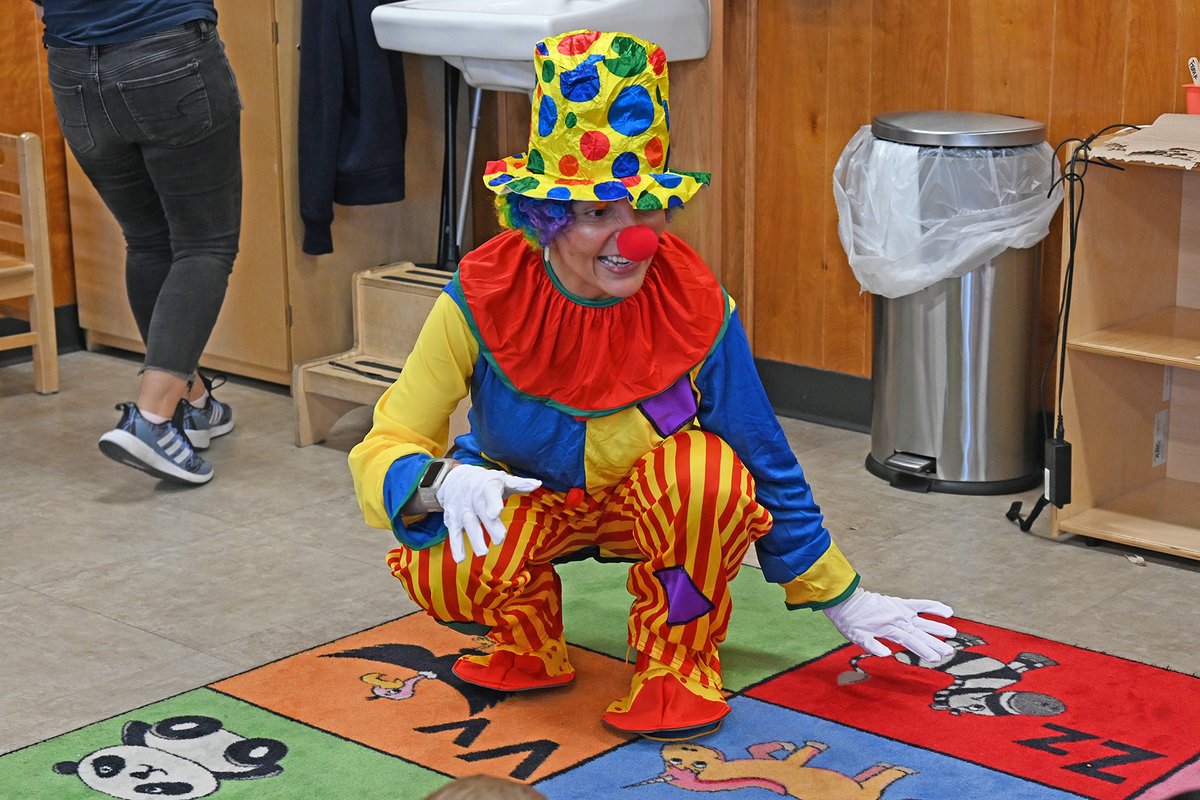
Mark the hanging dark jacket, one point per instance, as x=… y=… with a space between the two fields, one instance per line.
x=353 y=116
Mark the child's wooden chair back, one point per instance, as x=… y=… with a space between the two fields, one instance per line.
x=25 y=255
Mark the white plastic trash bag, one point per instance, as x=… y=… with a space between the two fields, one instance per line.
x=912 y=215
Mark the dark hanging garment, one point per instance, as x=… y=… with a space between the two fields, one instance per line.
x=353 y=116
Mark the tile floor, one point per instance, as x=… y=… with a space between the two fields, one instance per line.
x=117 y=590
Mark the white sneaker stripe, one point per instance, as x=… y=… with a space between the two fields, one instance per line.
x=173 y=447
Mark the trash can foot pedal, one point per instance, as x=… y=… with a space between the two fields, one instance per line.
x=911 y=462
x=930 y=482
x=911 y=472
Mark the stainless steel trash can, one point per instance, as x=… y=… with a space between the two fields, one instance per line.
x=955 y=404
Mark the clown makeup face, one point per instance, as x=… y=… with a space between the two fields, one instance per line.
x=585 y=256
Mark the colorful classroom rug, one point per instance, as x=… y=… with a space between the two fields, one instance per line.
x=379 y=715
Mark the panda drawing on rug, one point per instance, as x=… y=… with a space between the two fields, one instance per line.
x=182 y=757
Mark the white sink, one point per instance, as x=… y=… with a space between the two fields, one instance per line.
x=491 y=41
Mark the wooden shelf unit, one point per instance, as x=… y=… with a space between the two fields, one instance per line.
x=1170 y=337
x=1131 y=390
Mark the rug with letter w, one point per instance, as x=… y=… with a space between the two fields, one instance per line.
x=379 y=714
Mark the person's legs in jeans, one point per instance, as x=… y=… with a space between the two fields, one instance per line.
x=183 y=113
x=128 y=190
x=155 y=126
x=199 y=187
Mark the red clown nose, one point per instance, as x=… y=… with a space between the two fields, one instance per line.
x=637 y=242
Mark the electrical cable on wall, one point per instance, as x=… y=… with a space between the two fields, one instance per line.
x=1056 y=487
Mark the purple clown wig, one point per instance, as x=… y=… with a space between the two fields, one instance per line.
x=538 y=220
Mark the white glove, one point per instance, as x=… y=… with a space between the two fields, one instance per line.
x=472 y=499
x=865 y=617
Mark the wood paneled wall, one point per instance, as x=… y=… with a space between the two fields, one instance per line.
x=26 y=105
x=819 y=69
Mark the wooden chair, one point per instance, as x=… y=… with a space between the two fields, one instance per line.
x=25 y=255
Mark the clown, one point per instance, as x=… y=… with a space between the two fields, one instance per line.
x=615 y=413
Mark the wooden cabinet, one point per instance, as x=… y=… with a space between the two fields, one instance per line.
x=1131 y=393
x=283 y=306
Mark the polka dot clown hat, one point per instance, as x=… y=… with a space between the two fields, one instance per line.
x=600 y=127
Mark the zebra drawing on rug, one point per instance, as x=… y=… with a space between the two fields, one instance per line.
x=706 y=769
x=980 y=681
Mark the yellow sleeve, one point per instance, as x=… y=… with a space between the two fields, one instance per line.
x=413 y=415
x=829 y=581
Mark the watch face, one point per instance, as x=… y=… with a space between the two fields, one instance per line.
x=431 y=473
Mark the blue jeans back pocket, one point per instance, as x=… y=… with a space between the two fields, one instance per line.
x=171 y=108
x=72 y=118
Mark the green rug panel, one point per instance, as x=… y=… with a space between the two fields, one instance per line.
x=764 y=637
x=317 y=765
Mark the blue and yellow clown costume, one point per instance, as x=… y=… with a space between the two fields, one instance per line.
x=643 y=417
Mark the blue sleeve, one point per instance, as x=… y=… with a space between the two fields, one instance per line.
x=398 y=486
x=734 y=406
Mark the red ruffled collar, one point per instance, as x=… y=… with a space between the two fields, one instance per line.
x=587 y=359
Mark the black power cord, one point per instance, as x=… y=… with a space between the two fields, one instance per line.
x=1057 y=454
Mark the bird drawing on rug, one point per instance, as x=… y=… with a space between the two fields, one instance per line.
x=427 y=665
x=706 y=769
x=385 y=688
x=978 y=681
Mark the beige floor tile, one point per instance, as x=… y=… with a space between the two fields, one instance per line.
x=1156 y=620
x=73 y=706
x=53 y=540
x=50 y=644
x=218 y=588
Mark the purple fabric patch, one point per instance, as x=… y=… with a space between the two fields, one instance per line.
x=670 y=410
x=685 y=601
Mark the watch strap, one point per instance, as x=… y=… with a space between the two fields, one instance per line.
x=428 y=494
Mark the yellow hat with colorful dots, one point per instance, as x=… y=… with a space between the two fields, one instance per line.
x=600 y=127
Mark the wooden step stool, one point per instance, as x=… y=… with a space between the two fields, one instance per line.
x=390 y=304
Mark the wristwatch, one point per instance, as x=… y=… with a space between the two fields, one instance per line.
x=431 y=480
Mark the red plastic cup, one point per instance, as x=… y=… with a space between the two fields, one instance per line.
x=1192 y=92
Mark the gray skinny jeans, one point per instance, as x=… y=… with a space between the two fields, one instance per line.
x=155 y=124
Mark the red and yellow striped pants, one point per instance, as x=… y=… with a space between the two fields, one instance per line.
x=686 y=514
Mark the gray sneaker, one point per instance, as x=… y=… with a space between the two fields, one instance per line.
x=159 y=450
x=202 y=425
